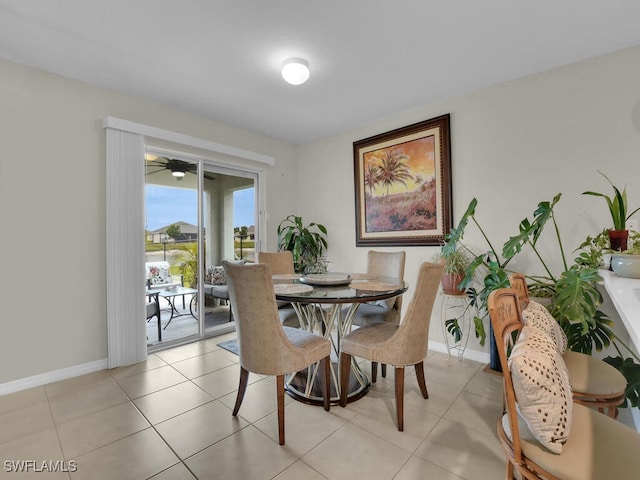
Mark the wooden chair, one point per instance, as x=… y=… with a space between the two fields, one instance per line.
x=387 y=264
x=598 y=447
x=397 y=344
x=594 y=383
x=265 y=346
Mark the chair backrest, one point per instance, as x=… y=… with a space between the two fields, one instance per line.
x=410 y=341
x=506 y=319
x=519 y=283
x=263 y=345
x=388 y=264
x=281 y=263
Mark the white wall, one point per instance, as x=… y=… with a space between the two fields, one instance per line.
x=52 y=211
x=513 y=145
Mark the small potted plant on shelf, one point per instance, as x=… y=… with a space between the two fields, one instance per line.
x=617 y=203
x=456 y=259
x=306 y=243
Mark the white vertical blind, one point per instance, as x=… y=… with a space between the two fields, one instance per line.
x=126 y=329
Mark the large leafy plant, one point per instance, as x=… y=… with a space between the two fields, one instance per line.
x=307 y=243
x=575 y=298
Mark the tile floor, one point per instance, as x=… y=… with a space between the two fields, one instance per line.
x=170 y=418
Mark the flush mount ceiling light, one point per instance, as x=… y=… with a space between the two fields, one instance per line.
x=295 y=71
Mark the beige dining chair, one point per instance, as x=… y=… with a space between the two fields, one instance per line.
x=387 y=264
x=596 y=446
x=281 y=263
x=594 y=382
x=397 y=344
x=265 y=346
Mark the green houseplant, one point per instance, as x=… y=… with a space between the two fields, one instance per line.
x=307 y=243
x=618 y=207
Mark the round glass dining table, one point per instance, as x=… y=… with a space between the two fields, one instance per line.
x=326 y=304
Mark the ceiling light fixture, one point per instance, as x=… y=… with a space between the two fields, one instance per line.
x=295 y=71
x=177 y=173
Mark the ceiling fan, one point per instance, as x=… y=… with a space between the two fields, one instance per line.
x=178 y=168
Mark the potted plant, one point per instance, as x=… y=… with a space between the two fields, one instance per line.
x=617 y=203
x=306 y=243
x=456 y=258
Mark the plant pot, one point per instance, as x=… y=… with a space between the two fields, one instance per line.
x=450 y=282
x=626 y=265
x=618 y=240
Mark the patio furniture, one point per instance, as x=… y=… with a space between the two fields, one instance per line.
x=153 y=310
x=265 y=346
x=396 y=344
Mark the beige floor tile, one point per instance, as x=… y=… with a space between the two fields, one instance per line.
x=378 y=416
x=486 y=385
x=177 y=472
x=87 y=433
x=441 y=397
x=202 y=364
x=418 y=469
x=140 y=455
x=300 y=470
x=22 y=399
x=86 y=401
x=246 y=455
x=171 y=401
x=222 y=382
x=437 y=370
x=152 y=361
x=150 y=381
x=354 y=453
x=259 y=400
x=475 y=412
x=71 y=385
x=182 y=352
x=305 y=426
x=25 y=421
x=197 y=429
x=38 y=447
x=467 y=452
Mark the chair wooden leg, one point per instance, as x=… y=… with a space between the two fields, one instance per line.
x=326 y=387
x=374 y=372
x=419 y=367
x=242 y=387
x=384 y=370
x=510 y=474
x=345 y=370
x=280 y=394
x=400 y=397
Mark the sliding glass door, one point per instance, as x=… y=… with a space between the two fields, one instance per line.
x=197 y=214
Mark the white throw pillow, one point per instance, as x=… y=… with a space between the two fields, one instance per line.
x=542 y=388
x=538 y=316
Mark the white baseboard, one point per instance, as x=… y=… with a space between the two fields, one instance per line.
x=53 y=376
x=482 y=357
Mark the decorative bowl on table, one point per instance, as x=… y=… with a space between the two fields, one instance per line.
x=326 y=279
x=626 y=265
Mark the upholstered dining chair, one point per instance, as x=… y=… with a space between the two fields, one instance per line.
x=594 y=382
x=265 y=346
x=281 y=263
x=592 y=446
x=397 y=344
x=388 y=264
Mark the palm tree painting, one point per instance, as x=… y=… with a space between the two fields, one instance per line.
x=400 y=187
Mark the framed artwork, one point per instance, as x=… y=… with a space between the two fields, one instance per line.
x=403 y=185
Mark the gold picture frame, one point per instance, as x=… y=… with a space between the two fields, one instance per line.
x=403 y=185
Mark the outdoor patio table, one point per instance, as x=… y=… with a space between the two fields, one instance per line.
x=318 y=300
x=171 y=293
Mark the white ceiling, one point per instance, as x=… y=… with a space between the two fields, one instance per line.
x=369 y=58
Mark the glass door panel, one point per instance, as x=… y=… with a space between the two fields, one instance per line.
x=171 y=249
